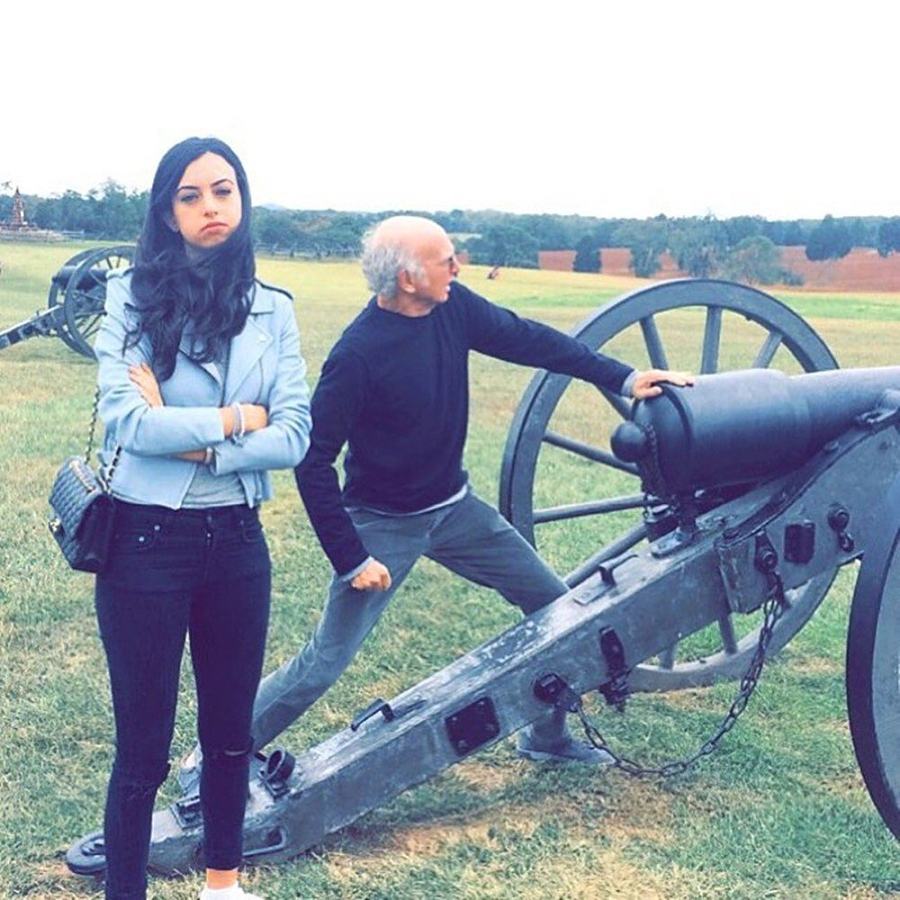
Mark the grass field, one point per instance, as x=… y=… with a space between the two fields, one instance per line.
x=779 y=812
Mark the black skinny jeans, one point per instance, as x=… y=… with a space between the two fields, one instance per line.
x=174 y=572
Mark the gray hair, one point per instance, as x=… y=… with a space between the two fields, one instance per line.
x=382 y=261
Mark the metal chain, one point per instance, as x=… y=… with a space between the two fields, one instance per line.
x=92 y=428
x=651 y=471
x=105 y=478
x=652 y=482
x=773 y=608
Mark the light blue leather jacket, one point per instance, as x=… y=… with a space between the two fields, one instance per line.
x=265 y=367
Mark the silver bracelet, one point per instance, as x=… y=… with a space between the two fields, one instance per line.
x=239 y=429
x=208 y=457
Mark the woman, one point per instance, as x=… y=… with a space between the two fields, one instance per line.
x=202 y=390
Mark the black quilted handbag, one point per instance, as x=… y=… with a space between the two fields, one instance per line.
x=83 y=508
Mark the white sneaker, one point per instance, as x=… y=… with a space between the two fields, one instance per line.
x=235 y=892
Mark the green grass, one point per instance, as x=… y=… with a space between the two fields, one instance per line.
x=780 y=811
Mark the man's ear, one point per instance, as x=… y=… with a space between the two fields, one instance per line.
x=405 y=282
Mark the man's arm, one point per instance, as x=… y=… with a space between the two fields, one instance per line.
x=336 y=402
x=499 y=332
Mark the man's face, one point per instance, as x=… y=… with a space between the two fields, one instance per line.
x=439 y=267
x=207 y=205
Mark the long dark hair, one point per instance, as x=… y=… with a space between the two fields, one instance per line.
x=169 y=290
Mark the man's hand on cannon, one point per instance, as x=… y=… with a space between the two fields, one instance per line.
x=646 y=383
x=374 y=577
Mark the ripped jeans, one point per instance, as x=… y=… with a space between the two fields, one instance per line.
x=206 y=573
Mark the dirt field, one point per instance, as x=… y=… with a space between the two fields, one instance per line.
x=861 y=270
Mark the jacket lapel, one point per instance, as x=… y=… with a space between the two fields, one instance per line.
x=246 y=351
x=184 y=345
x=249 y=346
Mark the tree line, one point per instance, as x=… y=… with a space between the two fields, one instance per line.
x=743 y=247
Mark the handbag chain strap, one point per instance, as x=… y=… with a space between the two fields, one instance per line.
x=106 y=479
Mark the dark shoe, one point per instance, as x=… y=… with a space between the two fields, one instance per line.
x=87 y=856
x=188 y=776
x=569 y=751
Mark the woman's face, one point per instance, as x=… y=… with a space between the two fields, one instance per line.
x=207 y=205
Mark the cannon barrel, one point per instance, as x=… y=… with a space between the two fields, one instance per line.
x=744 y=426
x=87 y=279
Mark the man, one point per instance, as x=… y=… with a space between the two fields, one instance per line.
x=395 y=389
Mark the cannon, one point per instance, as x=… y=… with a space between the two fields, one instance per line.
x=731 y=531
x=75 y=302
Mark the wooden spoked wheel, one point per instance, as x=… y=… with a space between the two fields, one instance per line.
x=562 y=488
x=86 y=294
x=873 y=666
x=57 y=297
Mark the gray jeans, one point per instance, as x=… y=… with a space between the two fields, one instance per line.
x=468 y=537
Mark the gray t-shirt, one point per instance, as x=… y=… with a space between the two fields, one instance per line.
x=207 y=489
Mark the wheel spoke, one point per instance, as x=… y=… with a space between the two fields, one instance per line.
x=619 y=404
x=594 y=454
x=590 y=508
x=654 y=343
x=92 y=324
x=610 y=551
x=768 y=350
x=712 y=335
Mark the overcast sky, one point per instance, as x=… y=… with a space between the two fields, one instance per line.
x=781 y=109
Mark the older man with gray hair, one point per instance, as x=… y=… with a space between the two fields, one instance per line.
x=395 y=389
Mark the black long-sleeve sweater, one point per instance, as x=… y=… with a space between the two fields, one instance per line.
x=396 y=389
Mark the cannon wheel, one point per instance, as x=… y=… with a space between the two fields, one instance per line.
x=56 y=299
x=86 y=292
x=776 y=333
x=873 y=664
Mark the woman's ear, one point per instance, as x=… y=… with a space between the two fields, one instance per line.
x=170 y=221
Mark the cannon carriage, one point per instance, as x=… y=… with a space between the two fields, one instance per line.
x=75 y=301
x=736 y=502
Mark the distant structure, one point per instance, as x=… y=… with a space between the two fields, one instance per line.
x=16 y=227
x=17 y=220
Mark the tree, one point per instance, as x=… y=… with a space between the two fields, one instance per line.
x=794 y=234
x=741 y=227
x=698 y=245
x=755 y=260
x=342 y=235
x=888 y=238
x=117 y=213
x=646 y=241
x=830 y=239
x=551 y=232
x=456 y=221
x=785 y=234
x=587 y=255
x=861 y=233
x=274 y=228
x=505 y=245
